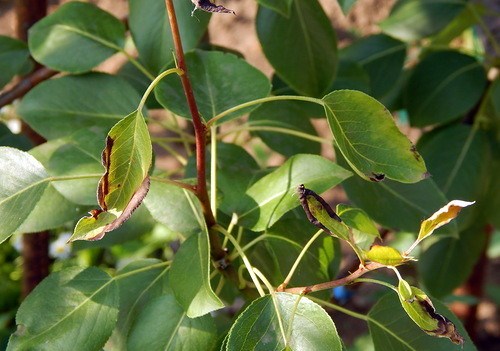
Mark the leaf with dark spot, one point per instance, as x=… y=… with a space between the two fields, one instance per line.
x=207 y=6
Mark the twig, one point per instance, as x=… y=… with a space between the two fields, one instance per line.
x=26 y=84
x=334 y=283
x=217 y=251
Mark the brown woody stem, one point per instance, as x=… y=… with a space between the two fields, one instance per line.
x=200 y=134
x=304 y=290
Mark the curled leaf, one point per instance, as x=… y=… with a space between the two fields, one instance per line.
x=126 y=158
x=385 y=255
x=320 y=214
x=420 y=309
x=207 y=6
x=443 y=216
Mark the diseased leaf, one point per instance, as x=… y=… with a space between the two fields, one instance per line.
x=76 y=37
x=441 y=217
x=420 y=309
x=370 y=141
x=190 y=277
x=385 y=255
x=83 y=314
x=273 y=195
x=392 y=329
x=309 y=327
x=207 y=6
x=126 y=158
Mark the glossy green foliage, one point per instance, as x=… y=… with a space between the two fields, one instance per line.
x=76 y=37
x=417 y=19
x=59 y=107
x=14 y=57
x=281 y=6
x=191 y=274
x=209 y=73
x=87 y=304
x=150 y=30
x=282 y=119
x=382 y=57
x=308 y=62
x=274 y=322
x=435 y=94
x=369 y=140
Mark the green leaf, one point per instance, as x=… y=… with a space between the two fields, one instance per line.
x=24 y=181
x=434 y=93
x=77 y=158
x=366 y=135
x=18 y=141
x=213 y=75
x=281 y=6
x=289 y=116
x=351 y=75
x=127 y=158
x=275 y=255
x=396 y=205
x=392 y=329
x=416 y=19
x=420 y=309
x=306 y=325
x=83 y=314
x=14 y=56
x=382 y=57
x=76 y=37
x=176 y=208
x=59 y=107
x=190 y=277
x=302 y=47
x=461 y=168
x=364 y=232
x=447 y=263
x=236 y=171
x=385 y=255
x=163 y=325
x=139 y=283
x=272 y=196
x=151 y=31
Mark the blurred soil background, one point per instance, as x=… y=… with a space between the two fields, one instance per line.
x=238 y=33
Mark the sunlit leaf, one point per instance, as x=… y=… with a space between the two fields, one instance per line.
x=76 y=37
x=82 y=315
x=364 y=232
x=306 y=324
x=126 y=158
x=190 y=277
x=163 y=325
x=385 y=255
x=370 y=141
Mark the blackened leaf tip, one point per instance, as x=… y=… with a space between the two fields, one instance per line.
x=377 y=177
x=208 y=6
